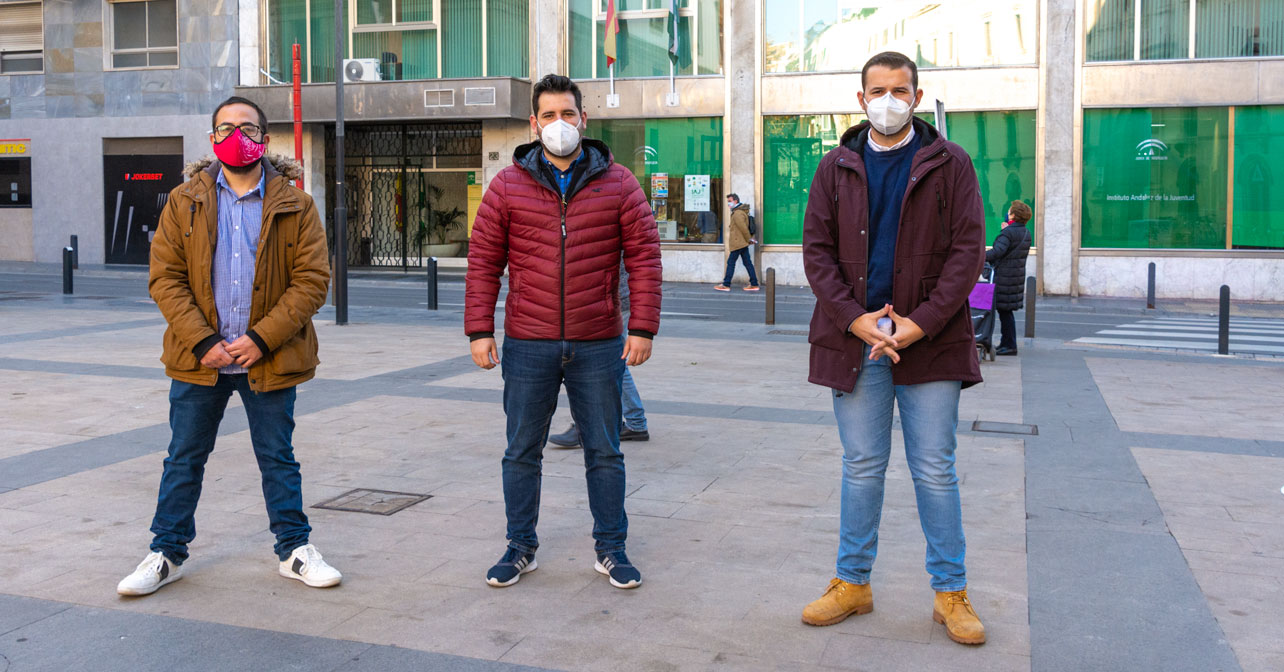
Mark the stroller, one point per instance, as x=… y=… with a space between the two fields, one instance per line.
x=981 y=302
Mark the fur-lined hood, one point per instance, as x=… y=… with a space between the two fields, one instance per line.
x=287 y=167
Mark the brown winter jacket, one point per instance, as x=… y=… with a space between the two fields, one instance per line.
x=940 y=249
x=739 y=228
x=291 y=276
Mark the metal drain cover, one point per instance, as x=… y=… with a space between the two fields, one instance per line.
x=1004 y=428
x=380 y=502
x=787 y=332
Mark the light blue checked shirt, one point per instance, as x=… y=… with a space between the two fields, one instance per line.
x=240 y=220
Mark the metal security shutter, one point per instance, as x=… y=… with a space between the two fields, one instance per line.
x=20 y=27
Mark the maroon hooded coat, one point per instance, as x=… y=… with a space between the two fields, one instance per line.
x=940 y=250
x=563 y=253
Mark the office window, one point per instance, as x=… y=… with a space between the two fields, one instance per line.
x=1234 y=28
x=1258 y=181
x=833 y=35
x=477 y=39
x=642 y=45
x=143 y=33
x=15 y=183
x=1127 y=30
x=21 y=38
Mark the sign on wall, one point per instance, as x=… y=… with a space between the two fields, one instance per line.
x=15 y=146
x=697 y=193
x=136 y=188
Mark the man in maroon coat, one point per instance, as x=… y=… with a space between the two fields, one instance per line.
x=893 y=241
x=559 y=218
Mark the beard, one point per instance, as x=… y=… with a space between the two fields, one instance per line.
x=241 y=170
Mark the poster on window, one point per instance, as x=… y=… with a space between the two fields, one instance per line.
x=697 y=193
x=660 y=185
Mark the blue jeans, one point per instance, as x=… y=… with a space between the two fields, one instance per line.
x=929 y=419
x=592 y=372
x=742 y=253
x=194 y=415
x=631 y=404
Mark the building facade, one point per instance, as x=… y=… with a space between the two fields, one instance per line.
x=1137 y=130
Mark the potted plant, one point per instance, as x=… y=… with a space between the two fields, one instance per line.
x=433 y=234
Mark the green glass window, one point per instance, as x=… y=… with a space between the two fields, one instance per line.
x=402 y=35
x=1155 y=178
x=508 y=39
x=1165 y=29
x=643 y=41
x=1001 y=145
x=1259 y=178
x=827 y=35
x=663 y=153
x=1109 y=25
x=1231 y=28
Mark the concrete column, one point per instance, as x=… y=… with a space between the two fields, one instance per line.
x=248 y=43
x=1057 y=217
x=499 y=138
x=548 y=32
x=740 y=121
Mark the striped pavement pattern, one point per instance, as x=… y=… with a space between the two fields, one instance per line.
x=1247 y=335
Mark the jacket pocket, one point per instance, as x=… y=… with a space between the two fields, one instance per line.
x=926 y=285
x=296 y=355
x=854 y=274
x=176 y=356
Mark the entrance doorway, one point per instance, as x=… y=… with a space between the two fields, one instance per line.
x=406 y=189
x=138 y=174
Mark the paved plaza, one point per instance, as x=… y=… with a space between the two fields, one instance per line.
x=1138 y=530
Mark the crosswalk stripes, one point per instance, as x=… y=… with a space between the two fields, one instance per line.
x=1247 y=335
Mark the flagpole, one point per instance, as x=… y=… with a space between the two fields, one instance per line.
x=611 y=72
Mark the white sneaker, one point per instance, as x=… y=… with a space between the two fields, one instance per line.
x=153 y=572
x=306 y=564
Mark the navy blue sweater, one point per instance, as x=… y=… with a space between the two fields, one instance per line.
x=888 y=174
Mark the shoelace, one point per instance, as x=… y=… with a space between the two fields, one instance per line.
x=311 y=557
x=151 y=564
x=959 y=598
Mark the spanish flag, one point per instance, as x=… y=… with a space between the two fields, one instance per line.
x=612 y=27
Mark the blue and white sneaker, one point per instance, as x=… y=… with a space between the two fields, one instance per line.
x=616 y=566
x=510 y=568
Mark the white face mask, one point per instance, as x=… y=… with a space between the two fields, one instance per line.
x=888 y=114
x=560 y=138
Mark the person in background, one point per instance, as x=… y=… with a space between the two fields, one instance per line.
x=740 y=241
x=1011 y=247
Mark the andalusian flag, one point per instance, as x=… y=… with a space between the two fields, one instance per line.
x=672 y=21
x=612 y=27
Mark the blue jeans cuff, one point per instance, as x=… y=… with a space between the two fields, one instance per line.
x=522 y=548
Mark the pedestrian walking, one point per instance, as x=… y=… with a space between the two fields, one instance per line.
x=238 y=268
x=740 y=238
x=1011 y=248
x=559 y=218
x=894 y=229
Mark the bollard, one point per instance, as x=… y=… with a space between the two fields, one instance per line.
x=1223 y=322
x=66 y=270
x=75 y=252
x=771 y=295
x=432 y=283
x=1029 y=307
x=1150 y=286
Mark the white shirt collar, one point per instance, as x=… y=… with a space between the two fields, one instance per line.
x=904 y=141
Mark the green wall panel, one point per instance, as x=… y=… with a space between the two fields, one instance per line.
x=1259 y=178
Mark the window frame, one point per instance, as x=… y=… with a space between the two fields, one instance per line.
x=109 y=39
x=6 y=205
x=26 y=53
x=1191 y=37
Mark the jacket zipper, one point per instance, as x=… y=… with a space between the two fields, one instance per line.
x=563 y=267
x=191 y=220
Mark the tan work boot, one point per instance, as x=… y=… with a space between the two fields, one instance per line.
x=953 y=610
x=840 y=600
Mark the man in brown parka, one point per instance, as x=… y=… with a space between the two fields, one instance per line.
x=739 y=240
x=238 y=268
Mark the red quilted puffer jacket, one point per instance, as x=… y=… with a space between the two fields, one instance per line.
x=563 y=255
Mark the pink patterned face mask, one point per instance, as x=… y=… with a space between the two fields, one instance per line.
x=238 y=150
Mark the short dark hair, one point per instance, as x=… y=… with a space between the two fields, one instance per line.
x=555 y=84
x=237 y=100
x=1020 y=212
x=734 y=195
x=890 y=59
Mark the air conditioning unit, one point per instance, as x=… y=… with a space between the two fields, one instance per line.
x=361 y=70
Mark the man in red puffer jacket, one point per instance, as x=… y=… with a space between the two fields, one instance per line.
x=559 y=218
